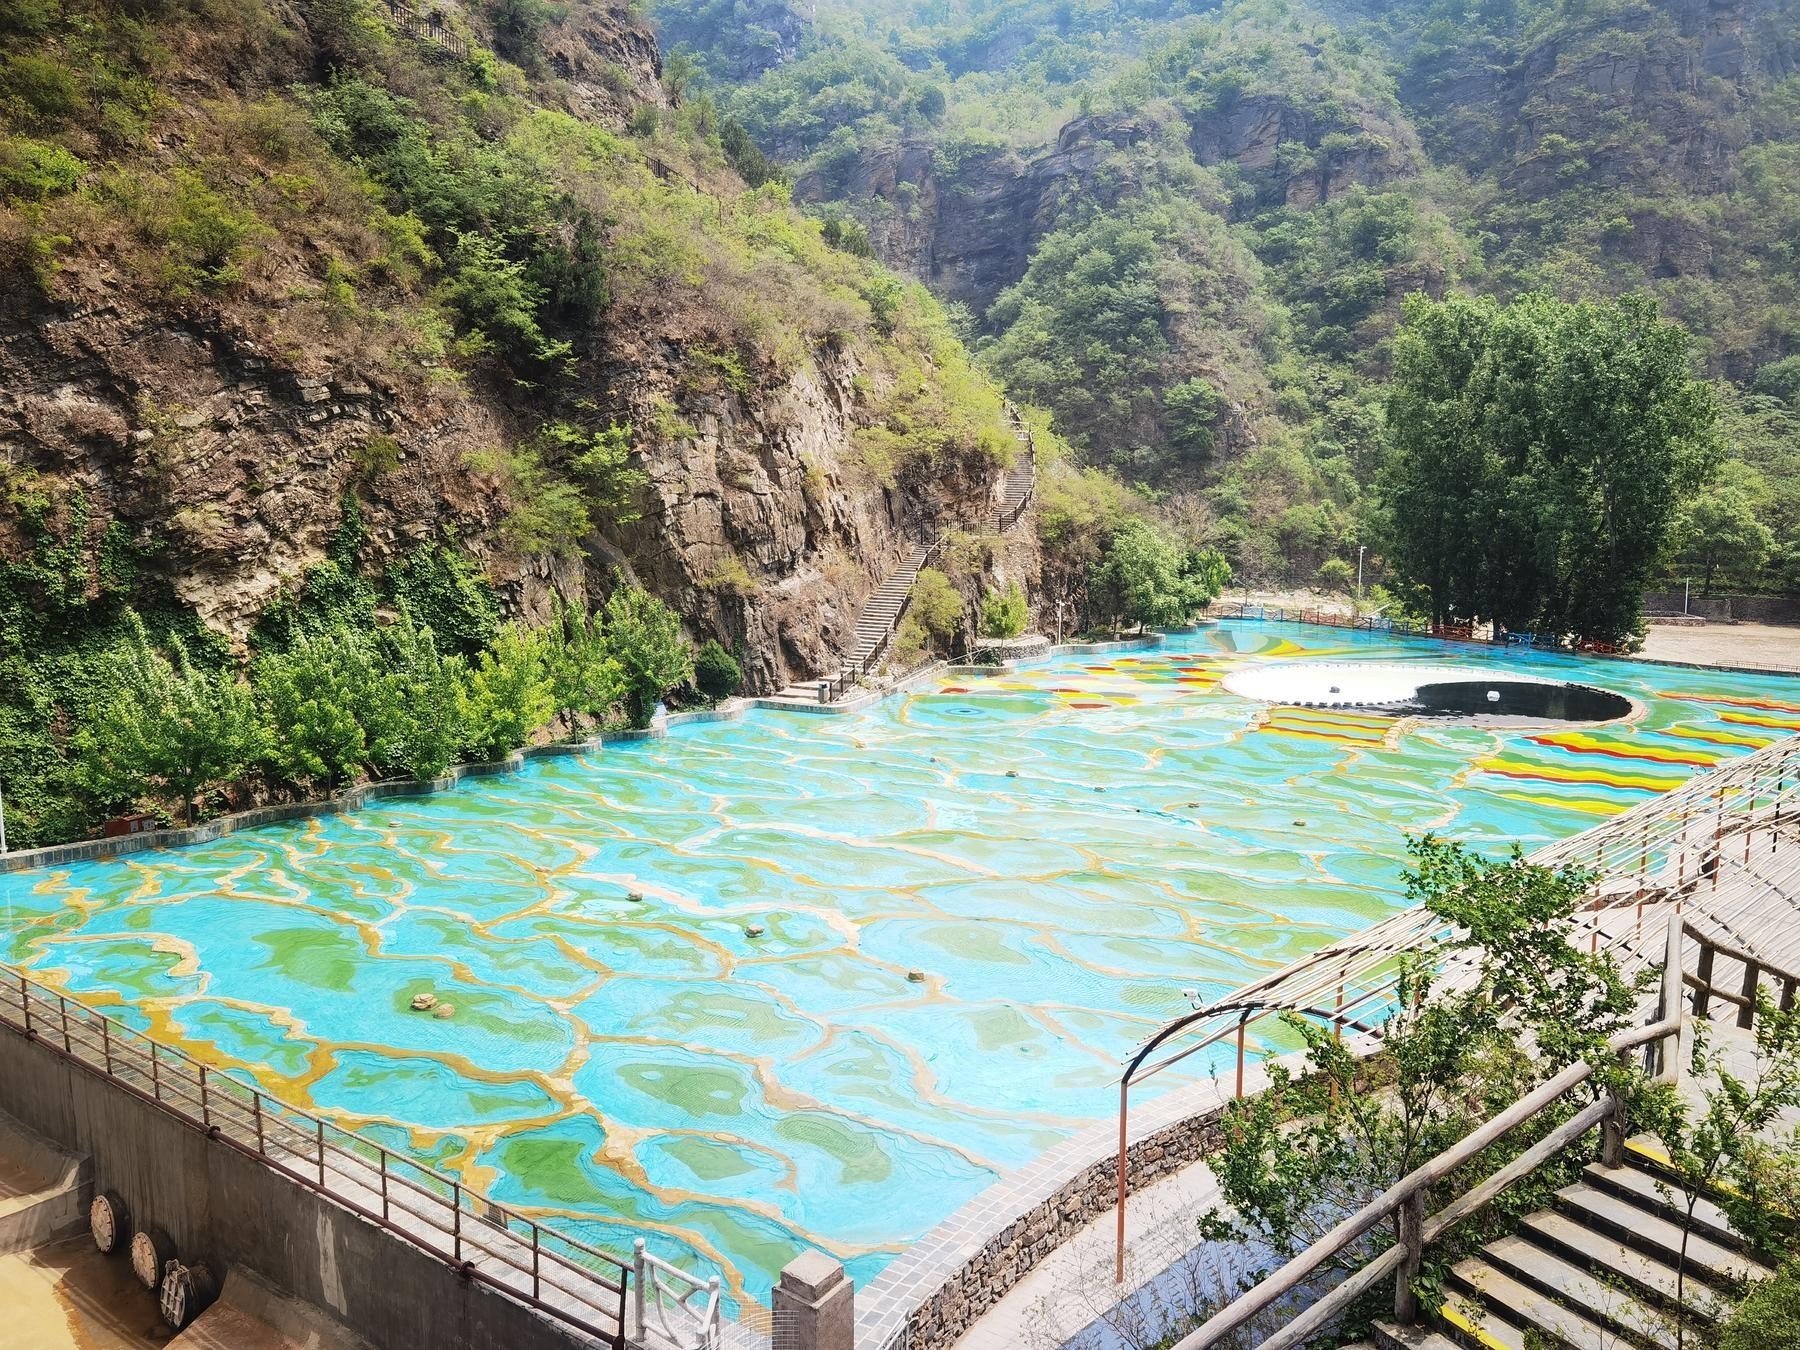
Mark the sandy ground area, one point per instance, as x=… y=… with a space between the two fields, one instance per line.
x=1758 y=646
x=68 y=1294
x=1754 y=646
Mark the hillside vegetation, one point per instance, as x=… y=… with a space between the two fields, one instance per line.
x=320 y=322
x=1187 y=229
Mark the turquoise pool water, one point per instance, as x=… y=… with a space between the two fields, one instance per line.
x=1055 y=854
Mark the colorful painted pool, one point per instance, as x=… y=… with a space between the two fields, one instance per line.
x=1056 y=853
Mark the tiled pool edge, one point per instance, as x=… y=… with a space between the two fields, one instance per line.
x=943 y=1283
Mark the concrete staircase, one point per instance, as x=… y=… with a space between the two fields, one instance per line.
x=874 y=625
x=1596 y=1271
x=1015 y=491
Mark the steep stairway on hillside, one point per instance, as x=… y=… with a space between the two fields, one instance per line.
x=1015 y=492
x=1016 y=486
x=1596 y=1271
x=874 y=626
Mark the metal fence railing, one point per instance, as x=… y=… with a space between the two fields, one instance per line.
x=566 y=1280
x=1708 y=850
x=1376 y=623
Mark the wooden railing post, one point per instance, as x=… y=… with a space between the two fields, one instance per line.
x=1704 y=973
x=1411 y=1221
x=1747 y=1009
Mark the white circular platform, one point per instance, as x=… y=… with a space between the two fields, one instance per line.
x=1339 y=684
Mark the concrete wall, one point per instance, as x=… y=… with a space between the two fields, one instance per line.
x=1009 y=1255
x=229 y=1210
x=1776 y=609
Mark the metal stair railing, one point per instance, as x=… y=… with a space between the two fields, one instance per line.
x=566 y=1280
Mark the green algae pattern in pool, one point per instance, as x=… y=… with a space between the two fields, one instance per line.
x=972 y=902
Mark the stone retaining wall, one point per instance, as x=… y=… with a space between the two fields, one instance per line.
x=1775 y=609
x=1008 y=1256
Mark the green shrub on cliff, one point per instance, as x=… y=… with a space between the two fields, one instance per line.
x=167 y=731
x=643 y=635
x=510 y=694
x=716 y=672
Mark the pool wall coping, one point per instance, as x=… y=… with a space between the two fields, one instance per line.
x=942 y=1284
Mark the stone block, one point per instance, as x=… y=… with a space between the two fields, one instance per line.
x=814 y=1305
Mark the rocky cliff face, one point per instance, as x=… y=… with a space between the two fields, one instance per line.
x=969 y=229
x=1655 y=93
x=221 y=434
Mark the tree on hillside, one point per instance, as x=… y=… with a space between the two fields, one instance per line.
x=644 y=636
x=167 y=729
x=1719 y=530
x=1539 y=453
x=320 y=700
x=1145 y=578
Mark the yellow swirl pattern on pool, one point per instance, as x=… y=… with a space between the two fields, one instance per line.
x=972 y=902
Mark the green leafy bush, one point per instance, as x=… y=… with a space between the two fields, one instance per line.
x=38 y=89
x=167 y=731
x=1004 y=613
x=319 y=701
x=643 y=635
x=937 y=605
x=35 y=170
x=716 y=672
x=1769 y=1316
x=510 y=694
x=586 y=680
x=428 y=688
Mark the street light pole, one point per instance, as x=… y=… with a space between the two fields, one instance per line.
x=2 y=822
x=1360 y=550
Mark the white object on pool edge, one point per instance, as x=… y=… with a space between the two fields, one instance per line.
x=1353 y=684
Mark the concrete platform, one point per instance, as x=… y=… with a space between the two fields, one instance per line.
x=44 y=1191
x=251 y=1315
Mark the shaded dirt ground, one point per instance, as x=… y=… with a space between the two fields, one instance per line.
x=1757 y=645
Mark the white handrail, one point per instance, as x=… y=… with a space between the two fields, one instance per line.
x=657 y=1289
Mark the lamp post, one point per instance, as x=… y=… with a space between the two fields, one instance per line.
x=2 y=822
x=1059 y=610
x=1360 y=550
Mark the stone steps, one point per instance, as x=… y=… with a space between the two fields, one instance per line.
x=1596 y=1271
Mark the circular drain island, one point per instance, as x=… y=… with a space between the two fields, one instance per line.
x=1463 y=692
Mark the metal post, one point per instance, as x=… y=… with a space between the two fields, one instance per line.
x=155 y=1074
x=256 y=1110
x=25 y=1001
x=321 y=1137
x=534 y=1262
x=637 y=1284
x=106 y=1043
x=205 y=1102
x=1243 y=1019
x=456 y=1219
x=1119 y=1236
x=1411 y=1223
x=382 y=1159
x=62 y=1009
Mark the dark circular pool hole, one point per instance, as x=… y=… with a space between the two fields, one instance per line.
x=1513 y=698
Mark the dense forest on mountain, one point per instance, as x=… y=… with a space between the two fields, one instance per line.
x=1187 y=228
